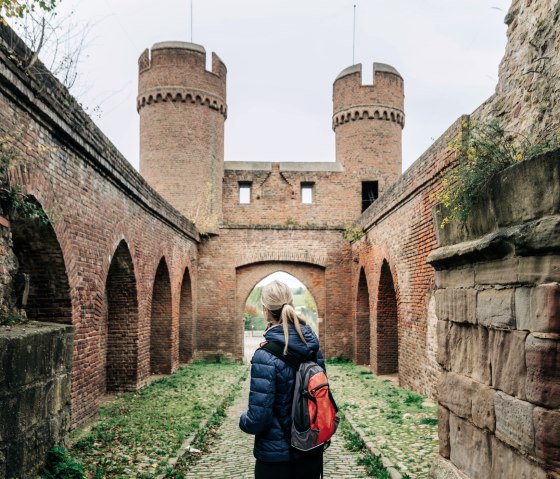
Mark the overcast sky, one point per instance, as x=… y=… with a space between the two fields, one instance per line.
x=282 y=58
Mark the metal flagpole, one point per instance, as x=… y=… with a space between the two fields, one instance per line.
x=191 y=23
x=354 y=39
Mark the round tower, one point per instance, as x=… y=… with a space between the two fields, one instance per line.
x=368 y=122
x=182 y=109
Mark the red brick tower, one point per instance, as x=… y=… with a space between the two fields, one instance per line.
x=182 y=109
x=368 y=122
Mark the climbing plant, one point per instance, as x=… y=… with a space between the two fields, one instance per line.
x=483 y=150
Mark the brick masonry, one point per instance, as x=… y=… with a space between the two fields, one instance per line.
x=119 y=255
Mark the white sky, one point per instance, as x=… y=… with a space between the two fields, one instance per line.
x=286 y=278
x=283 y=56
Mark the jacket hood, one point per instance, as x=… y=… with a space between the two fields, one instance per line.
x=276 y=333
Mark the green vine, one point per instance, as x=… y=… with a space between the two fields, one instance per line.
x=353 y=233
x=483 y=151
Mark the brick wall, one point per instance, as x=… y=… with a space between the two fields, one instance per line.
x=231 y=264
x=95 y=266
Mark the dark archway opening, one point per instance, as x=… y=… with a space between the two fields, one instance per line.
x=119 y=330
x=363 y=336
x=41 y=286
x=387 y=324
x=186 y=326
x=160 y=327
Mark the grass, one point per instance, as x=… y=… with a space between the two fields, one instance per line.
x=399 y=422
x=136 y=433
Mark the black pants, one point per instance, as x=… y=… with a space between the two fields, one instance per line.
x=309 y=467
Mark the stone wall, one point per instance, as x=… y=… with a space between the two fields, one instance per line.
x=35 y=372
x=498 y=310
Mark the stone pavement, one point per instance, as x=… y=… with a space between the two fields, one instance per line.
x=231 y=454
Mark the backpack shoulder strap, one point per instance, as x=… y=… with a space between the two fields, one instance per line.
x=277 y=349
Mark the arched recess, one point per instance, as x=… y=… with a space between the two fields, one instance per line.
x=363 y=322
x=186 y=325
x=119 y=329
x=311 y=275
x=41 y=285
x=160 y=325
x=387 y=330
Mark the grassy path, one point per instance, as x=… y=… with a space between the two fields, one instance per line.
x=136 y=433
x=401 y=424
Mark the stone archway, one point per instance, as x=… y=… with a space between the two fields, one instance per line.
x=362 y=354
x=387 y=330
x=42 y=286
x=119 y=328
x=160 y=322
x=186 y=323
x=312 y=276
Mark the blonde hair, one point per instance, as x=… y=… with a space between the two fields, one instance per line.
x=278 y=306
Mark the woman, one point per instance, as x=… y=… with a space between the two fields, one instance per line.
x=272 y=387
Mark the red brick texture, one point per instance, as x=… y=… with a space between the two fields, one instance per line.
x=186 y=320
x=386 y=322
x=182 y=111
x=109 y=233
x=233 y=263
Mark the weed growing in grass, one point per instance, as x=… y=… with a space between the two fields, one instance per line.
x=60 y=465
x=412 y=398
x=340 y=359
x=374 y=466
x=430 y=421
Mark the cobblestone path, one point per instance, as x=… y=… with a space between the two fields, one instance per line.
x=231 y=455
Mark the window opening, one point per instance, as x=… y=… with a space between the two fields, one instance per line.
x=307 y=193
x=244 y=192
x=369 y=193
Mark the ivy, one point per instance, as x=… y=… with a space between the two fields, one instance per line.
x=483 y=151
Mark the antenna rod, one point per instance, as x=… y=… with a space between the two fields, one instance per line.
x=191 y=23
x=354 y=39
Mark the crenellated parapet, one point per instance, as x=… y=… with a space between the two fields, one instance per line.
x=368 y=112
x=381 y=100
x=184 y=95
x=176 y=72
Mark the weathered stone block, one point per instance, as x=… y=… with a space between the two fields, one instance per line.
x=495 y=308
x=443 y=352
x=539 y=269
x=468 y=352
x=523 y=309
x=483 y=415
x=458 y=305
x=543 y=371
x=455 y=393
x=509 y=464
x=470 y=448
x=455 y=278
x=538 y=309
x=514 y=422
x=507 y=359
x=443 y=431
x=444 y=469
x=547 y=436
x=496 y=272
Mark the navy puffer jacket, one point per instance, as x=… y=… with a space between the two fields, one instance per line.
x=272 y=388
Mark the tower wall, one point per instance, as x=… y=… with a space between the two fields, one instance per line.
x=182 y=109
x=368 y=121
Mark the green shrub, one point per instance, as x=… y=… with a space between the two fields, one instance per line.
x=60 y=465
x=483 y=150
